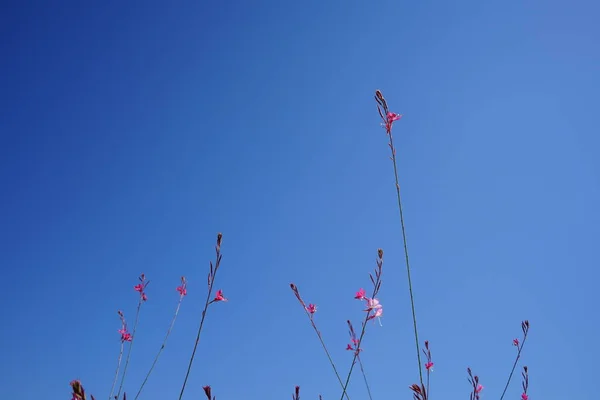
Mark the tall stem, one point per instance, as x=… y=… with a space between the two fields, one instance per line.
x=211 y=279
x=410 y=289
x=137 y=316
x=162 y=347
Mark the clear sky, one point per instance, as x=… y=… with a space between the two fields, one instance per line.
x=131 y=132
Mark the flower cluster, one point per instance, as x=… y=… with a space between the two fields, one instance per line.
x=374 y=308
x=182 y=289
x=125 y=335
x=141 y=287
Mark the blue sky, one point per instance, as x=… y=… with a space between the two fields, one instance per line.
x=132 y=132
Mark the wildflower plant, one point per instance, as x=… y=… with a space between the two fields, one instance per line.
x=371 y=307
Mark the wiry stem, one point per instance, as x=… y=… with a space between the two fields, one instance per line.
x=368 y=316
x=365 y=378
x=388 y=121
x=525 y=328
x=162 y=347
x=312 y=322
x=112 y=389
x=137 y=316
x=211 y=279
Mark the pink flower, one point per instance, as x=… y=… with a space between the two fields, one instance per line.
x=183 y=288
x=144 y=297
x=349 y=347
x=524 y=396
x=391 y=117
x=429 y=366
x=360 y=295
x=125 y=336
x=219 y=296
x=139 y=287
x=372 y=304
x=479 y=388
x=516 y=342
x=311 y=308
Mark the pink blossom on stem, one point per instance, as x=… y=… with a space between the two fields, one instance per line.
x=219 y=296
x=516 y=342
x=140 y=287
x=429 y=366
x=524 y=396
x=390 y=118
x=125 y=336
x=372 y=304
x=360 y=295
x=311 y=308
x=479 y=388
x=183 y=288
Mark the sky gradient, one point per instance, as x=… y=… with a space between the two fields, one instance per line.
x=132 y=132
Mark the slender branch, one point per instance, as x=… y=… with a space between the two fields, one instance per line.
x=312 y=322
x=112 y=389
x=162 y=347
x=368 y=316
x=525 y=328
x=137 y=315
x=365 y=377
x=388 y=119
x=211 y=279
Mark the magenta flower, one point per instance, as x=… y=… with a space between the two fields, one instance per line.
x=516 y=342
x=311 y=308
x=349 y=347
x=140 y=287
x=125 y=336
x=360 y=295
x=429 y=366
x=390 y=118
x=479 y=389
x=183 y=288
x=524 y=396
x=219 y=296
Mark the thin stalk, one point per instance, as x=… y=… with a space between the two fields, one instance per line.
x=162 y=347
x=427 y=392
x=211 y=279
x=137 y=316
x=376 y=286
x=312 y=322
x=326 y=352
x=187 y=374
x=410 y=290
x=514 y=365
x=388 y=119
x=365 y=378
x=112 y=389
